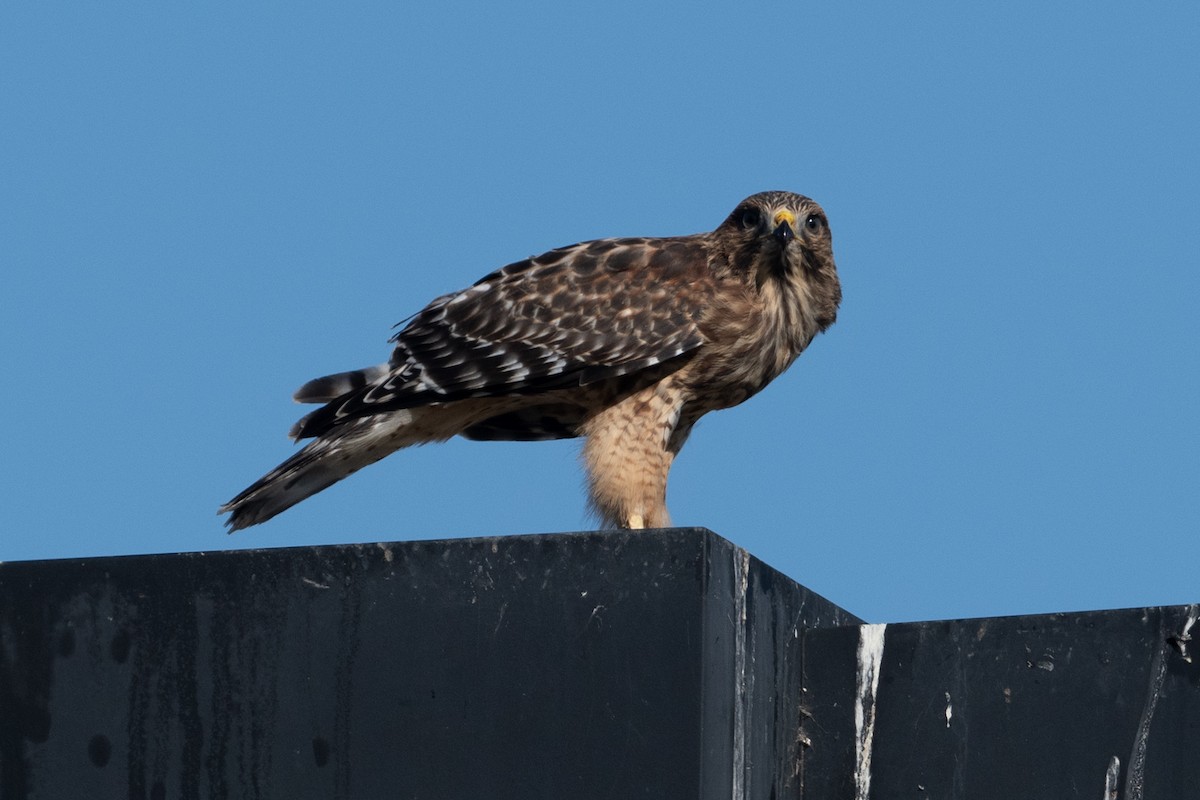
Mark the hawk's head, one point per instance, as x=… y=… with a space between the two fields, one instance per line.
x=784 y=239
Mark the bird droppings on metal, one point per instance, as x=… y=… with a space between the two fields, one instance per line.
x=949 y=709
x=870 y=659
x=741 y=676
x=1181 y=640
x=1110 y=779
x=1135 y=778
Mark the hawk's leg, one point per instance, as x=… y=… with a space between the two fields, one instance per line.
x=628 y=456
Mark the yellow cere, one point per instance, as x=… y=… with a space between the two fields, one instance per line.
x=785 y=216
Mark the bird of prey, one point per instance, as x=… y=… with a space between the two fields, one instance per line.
x=624 y=342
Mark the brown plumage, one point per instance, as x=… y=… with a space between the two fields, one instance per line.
x=626 y=342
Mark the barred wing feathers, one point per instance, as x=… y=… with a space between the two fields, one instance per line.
x=569 y=317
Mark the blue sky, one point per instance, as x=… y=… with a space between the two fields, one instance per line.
x=203 y=207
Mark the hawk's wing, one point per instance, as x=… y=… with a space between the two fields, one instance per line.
x=569 y=317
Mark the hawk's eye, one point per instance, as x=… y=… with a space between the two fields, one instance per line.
x=813 y=223
x=750 y=218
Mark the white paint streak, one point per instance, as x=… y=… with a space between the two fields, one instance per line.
x=740 y=677
x=1110 y=779
x=949 y=710
x=870 y=658
x=1135 y=777
x=1185 y=636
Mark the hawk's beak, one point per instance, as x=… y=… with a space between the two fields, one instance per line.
x=785 y=223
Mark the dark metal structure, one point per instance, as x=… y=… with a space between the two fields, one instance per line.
x=668 y=664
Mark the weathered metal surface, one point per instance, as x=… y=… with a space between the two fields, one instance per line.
x=668 y=664
x=1092 y=705
x=587 y=665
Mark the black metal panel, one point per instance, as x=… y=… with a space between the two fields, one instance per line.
x=667 y=664
x=591 y=665
x=1086 y=705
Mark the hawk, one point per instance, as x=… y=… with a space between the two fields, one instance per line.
x=624 y=342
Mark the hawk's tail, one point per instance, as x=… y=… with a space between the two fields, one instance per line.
x=322 y=463
x=328 y=388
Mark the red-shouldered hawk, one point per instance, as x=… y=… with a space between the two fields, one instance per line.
x=625 y=342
